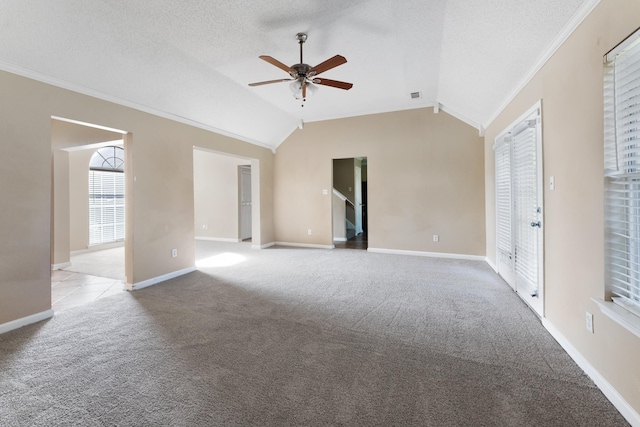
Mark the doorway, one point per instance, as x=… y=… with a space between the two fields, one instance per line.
x=519 y=210
x=349 y=203
x=226 y=197
x=88 y=212
x=244 y=172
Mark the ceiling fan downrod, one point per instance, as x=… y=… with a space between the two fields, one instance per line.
x=301 y=37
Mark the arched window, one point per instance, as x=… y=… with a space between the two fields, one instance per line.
x=106 y=196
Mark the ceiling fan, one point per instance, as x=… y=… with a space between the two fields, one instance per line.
x=303 y=76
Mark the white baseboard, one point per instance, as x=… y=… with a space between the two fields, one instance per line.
x=339 y=239
x=218 y=239
x=491 y=264
x=427 y=254
x=265 y=246
x=607 y=389
x=153 y=281
x=60 y=266
x=24 y=321
x=305 y=245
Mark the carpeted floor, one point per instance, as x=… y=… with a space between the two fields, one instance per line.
x=300 y=337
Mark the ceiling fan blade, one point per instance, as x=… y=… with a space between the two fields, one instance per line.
x=275 y=62
x=269 y=82
x=333 y=83
x=304 y=88
x=327 y=65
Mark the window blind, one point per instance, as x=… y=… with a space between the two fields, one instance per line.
x=106 y=207
x=503 y=197
x=526 y=203
x=622 y=172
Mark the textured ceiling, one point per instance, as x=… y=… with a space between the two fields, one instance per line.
x=193 y=59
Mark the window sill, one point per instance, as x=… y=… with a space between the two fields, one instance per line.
x=624 y=318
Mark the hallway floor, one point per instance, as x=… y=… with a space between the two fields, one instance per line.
x=69 y=289
x=356 y=242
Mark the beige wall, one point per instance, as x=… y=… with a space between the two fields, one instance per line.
x=160 y=213
x=344 y=175
x=79 y=198
x=215 y=183
x=71 y=135
x=425 y=176
x=570 y=87
x=60 y=232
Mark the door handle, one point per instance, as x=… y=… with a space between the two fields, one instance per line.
x=536 y=224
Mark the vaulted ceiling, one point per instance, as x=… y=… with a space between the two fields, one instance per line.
x=192 y=60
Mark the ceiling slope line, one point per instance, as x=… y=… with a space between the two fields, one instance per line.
x=564 y=34
x=441 y=107
x=53 y=81
x=453 y=112
x=284 y=139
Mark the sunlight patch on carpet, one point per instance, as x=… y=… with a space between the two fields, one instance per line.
x=226 y=259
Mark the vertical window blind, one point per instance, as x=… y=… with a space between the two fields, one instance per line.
x=622 y=172
x=503 y=197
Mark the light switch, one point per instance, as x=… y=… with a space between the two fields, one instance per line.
x=552 y=183
x=325 y=191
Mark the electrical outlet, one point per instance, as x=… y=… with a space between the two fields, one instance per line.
x=174 y=253
x=589 y=322
x=309 y=232
x=436 y=238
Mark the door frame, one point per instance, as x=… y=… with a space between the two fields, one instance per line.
x=510 y=276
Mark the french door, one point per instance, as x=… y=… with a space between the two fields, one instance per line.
x=519 y=210
x=245 y=202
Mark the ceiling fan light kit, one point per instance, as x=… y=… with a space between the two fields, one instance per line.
x=303 y=76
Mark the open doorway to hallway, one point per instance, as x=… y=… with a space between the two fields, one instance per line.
x=225 y=197
x=88 y=212
x=349 y=203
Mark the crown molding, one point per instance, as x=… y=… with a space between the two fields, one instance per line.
x=580 y=15
x=439 y=106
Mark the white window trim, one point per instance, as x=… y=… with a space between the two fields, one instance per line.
x=620 y=315
x=626 y=315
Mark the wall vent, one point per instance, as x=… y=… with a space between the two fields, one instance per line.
x=416 y=95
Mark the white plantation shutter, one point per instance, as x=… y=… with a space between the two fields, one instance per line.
x=525 y=177
x=106 y=198
x=622 y=172
x=503 y=197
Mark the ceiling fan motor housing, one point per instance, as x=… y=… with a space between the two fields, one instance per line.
x=300 y=70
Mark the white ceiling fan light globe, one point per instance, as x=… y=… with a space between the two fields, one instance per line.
x=296 y=89
x=311 y=89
